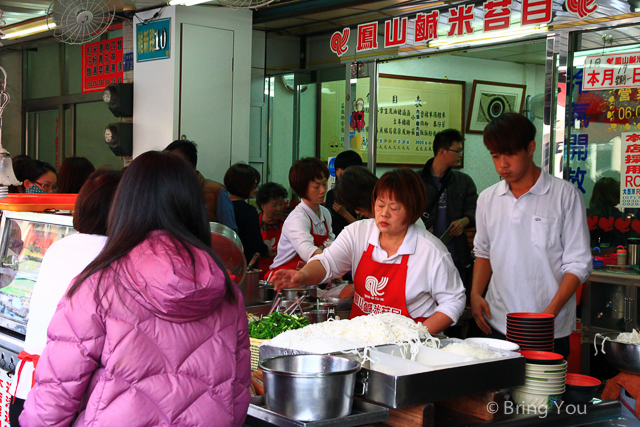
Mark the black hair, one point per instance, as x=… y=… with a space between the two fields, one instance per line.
x=305 y=171
x=509 y=133
x=34 y=169
x=186 y=147
x=241 y=179
x=355 y=188
x=94 y=202
x=347 y=158
x=268 y=191
x=445 y=139
x=74 y=171
x=150 y=198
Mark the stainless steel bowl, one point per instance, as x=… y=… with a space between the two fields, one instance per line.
x=625 y=357
x=318 y=316
x=309 y=387
x=293 y=293
x=227 y=245
x=342 y=304
x=266 y=291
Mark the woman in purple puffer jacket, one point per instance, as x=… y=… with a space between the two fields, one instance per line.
x=153 y=332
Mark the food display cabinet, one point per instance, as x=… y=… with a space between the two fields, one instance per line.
x=24 y=239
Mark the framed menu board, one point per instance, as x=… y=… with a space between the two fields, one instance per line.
x=411 y=111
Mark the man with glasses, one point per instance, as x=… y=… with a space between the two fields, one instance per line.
x=451 y=198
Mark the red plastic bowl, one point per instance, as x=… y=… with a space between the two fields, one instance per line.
x=530 y=316
x=542 y=357
x=534 y=331
x=531 y=337
x=582 y=380
x=529 y=324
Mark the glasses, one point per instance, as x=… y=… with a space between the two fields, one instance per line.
x=47 y=187
x=458 y=152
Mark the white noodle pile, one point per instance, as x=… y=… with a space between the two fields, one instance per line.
x=472 y=350
x=629 y=337
x=361 y=332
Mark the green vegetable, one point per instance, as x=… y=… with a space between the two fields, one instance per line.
x=275 y=324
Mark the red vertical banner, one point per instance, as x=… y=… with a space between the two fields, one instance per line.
x=101 y=64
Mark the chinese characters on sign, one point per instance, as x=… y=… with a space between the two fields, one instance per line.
x=411 y=112
x=153 y=40
x=496 y=15
x=101 y=64
x=630 y=172
x=611 y=71
x=578 y=152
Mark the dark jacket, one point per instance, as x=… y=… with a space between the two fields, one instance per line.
x=462 y=198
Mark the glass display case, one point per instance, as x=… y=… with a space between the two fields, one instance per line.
x=24 y=240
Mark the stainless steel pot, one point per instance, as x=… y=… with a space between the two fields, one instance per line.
x=265 y=291
x=249 y=287
x=342 y=304
x=286 y=303
x=227 y=245
x=318 y=316
x=625 y=357
x=633 y=251
x=309 y=387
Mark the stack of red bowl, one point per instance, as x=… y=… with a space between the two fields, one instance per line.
x=531 y=331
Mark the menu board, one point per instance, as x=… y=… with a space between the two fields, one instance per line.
x=411 y=111
x=24 y=246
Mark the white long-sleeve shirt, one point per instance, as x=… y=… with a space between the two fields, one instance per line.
x=296 y=236
x=64 y=260
x=532 y=242
x=433 y=283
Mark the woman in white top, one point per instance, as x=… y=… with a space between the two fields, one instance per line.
x=63 y=261
x=399 y=267
x=308 y=227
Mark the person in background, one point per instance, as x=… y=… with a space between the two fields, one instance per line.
x=242 y=181
x=153 y=332
x=532 y=241
x=399 y=267
x=451 y=197
x=18 y=165
x=270 y=199
x=354 y=189
x=307 y=229
x=340 y=216
x=63 y=261
x=39 y=177
x=216 y=197
x=73 y=173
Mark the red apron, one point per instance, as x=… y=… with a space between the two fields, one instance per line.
x=318 y=241
x=380 y=288
x=271 y=239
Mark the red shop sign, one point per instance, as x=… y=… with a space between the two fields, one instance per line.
x=101 y=64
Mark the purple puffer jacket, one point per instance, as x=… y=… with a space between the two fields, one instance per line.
x=156 y=351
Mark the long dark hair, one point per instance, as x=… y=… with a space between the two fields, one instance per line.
x=74 y=172
x=159 y=191
x=94 y=202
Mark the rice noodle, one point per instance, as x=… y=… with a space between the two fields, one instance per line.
x=629 y=337
x=473 y=350
x=362 y=332
x=595 y=345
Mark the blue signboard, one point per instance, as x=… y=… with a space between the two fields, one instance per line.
x=127 y=61
x=153 y=40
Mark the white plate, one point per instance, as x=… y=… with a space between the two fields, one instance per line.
x=492 y=342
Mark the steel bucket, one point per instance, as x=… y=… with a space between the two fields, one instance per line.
x=293 y=293
x=309 y=387
x=250 y=287
x=265 y=291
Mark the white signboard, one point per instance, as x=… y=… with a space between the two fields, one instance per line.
x=630 y=170
x=611 y=71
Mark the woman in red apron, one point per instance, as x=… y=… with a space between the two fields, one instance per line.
x=399 y=267
x=307 y=228
x=270 y=199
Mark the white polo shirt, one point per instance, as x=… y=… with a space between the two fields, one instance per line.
x=532 y=242
x=433 y=283
x=296 y=238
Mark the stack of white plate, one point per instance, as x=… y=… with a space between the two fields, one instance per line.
x=544 y=385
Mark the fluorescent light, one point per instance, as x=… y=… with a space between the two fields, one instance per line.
x=28 y=31
x=186 y=2
x=486 y=37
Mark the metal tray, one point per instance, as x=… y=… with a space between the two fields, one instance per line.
x=362 y=413
x=399 y=391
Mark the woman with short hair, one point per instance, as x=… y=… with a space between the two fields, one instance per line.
x=241 y=180
x=39 y=177
x=398 y=266
x=307 y=229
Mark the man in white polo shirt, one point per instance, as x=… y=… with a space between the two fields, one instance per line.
x=532 y=240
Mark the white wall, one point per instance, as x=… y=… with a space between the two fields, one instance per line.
x=157 y=83
x=477 y=161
